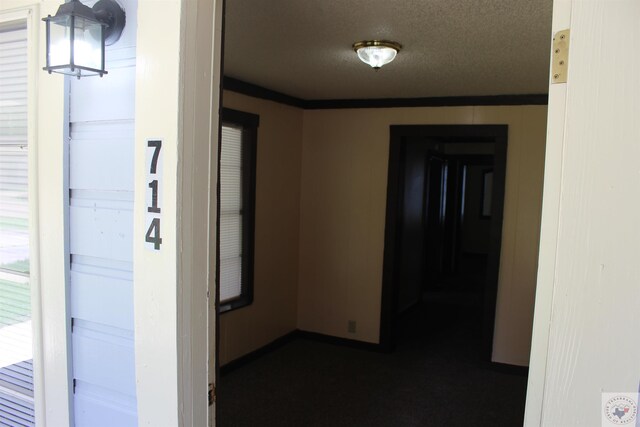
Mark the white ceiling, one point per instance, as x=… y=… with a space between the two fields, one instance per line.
x=450 y=47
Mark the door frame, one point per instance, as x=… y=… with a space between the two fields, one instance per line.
x=497 y=134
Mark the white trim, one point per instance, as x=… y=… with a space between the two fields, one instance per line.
x=34 y=240
x=53 y=389
x=216 y=107
x=552 y=193
x=176 y=95
x=197 y=178
x=26 y=14
x=46 y=223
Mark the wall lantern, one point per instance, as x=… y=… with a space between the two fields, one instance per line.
x=377 y=53
x=77 y=35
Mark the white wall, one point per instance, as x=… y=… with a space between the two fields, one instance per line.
x=590 y=311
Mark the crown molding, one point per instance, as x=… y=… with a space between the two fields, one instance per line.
x=239 y=86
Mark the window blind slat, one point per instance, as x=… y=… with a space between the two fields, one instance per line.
x=230 y=278
x=230 y=236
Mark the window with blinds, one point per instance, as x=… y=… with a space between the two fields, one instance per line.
x=16 y=372
x=236 y=208
x=230 y=213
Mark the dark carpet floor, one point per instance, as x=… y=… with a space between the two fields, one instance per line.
x=434 y=378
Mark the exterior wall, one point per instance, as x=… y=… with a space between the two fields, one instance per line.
x=588 y=304
x=343 y=201
x=101 y=165
x=170 y=294
x=273 y=311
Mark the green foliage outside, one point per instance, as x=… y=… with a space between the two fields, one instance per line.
x=15 y=297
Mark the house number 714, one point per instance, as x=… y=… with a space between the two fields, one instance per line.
x=153 y=197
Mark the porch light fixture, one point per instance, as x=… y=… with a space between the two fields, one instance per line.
x=77 y=35
x=377 y=53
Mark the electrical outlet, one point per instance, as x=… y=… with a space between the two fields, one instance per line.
x=351 y=327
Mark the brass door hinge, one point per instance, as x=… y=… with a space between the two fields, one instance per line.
x=212 y=394
x=560 y=57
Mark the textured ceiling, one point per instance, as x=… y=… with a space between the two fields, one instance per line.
x=451 y=47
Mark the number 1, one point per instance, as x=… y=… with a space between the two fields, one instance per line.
x=153 y=185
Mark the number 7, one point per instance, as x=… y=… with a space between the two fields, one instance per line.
x=157 y=145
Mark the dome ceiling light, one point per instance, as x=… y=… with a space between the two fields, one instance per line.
x=377 y=53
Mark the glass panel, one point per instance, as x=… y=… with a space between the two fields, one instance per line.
x=87 y=44
x=60 y=49
x=14 y=226
x=16 y=371
x=15 y=332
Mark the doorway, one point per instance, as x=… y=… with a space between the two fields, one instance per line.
x=443 y=229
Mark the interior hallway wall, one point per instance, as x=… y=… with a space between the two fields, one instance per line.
x=273 y=312
x=342 y=218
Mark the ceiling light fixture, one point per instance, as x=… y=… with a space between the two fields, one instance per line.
x=377 y=53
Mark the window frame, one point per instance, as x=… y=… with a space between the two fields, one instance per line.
x=249 y=124
x=19 y=20
x=46 y=138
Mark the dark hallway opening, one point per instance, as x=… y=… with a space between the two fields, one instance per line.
x=444 y=223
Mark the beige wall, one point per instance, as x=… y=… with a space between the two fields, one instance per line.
x=320 y=212
x=273 y=312
x=342 y=214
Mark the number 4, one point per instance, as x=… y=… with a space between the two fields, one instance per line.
x=153 y=234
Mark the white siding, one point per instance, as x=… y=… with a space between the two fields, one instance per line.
x=101 y=159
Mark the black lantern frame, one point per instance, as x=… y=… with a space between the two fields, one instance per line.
x=107 y=14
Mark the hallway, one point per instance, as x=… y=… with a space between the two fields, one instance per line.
x=434 y=378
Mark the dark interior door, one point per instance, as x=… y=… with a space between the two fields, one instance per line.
x=435 y=208
x=411 y=272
